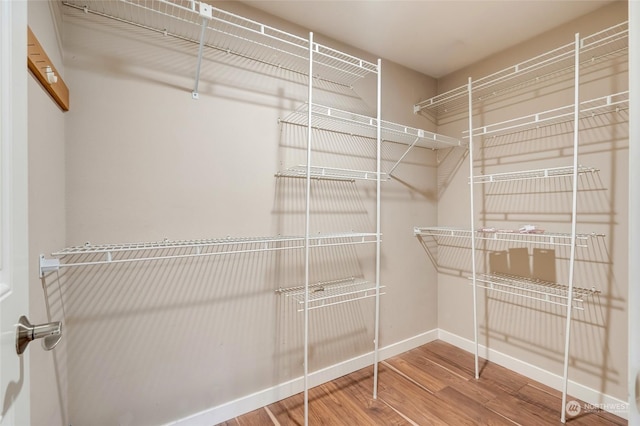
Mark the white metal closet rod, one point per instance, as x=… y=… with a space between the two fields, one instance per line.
x=306 y=239
x=574 y=206
x=376 y=343
x=473 y=231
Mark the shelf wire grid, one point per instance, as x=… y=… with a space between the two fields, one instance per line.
x=550 y=292
x=613 y=103
x=593 y=49
x=546 y=238
x=336 y=120
x=90 y=254
x=232 y=34
x=330 y=293
x=532 y=174
x=330 y=173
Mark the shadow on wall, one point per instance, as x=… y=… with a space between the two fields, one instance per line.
x=105 y=46
x=149 y=341
x=449 y=164
x=54 y=305
x=514 y=320
x=158 y=340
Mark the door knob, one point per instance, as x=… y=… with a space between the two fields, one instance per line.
x=25 y=333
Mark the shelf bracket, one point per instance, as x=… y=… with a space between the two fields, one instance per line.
x=47 y=265
x=390 y=172
x=206 y=12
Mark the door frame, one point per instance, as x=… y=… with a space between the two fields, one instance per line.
x=14 y=264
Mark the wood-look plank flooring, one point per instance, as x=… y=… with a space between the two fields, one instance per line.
x=431 y=385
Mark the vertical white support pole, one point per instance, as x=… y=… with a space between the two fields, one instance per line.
x=574 y=214
x=307 y=230
x=473 y=229
x=634 y=212
x=376 y=337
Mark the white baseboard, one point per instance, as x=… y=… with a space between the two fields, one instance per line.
x=591 y=396
x=268 y=396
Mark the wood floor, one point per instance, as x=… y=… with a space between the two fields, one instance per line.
x=429 y=385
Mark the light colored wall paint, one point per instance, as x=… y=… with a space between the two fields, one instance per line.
x=529 y=331
x=154 y=342
x=634 y=213
x=46 y=224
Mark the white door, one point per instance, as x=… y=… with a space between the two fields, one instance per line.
x=14 y=377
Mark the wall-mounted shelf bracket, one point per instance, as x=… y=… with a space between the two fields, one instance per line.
x=48 y=265
x=406 y=152
x=206 y=11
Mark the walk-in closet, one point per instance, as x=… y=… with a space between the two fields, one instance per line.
x=262 y=212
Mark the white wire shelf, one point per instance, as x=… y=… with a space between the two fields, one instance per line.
x=546 y=238
x=90 y=254
x=607 y=104
x=232 y=34
x=336 y=120
x=331 y=293
x=593 y=49
x=554 y=293
x=329 y=173
x=531 y=174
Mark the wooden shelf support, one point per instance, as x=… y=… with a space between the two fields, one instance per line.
x=44 y=70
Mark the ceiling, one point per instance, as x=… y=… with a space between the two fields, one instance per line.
x=435 y=37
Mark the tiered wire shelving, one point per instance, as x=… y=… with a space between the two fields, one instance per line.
x=352 y=124
x=510 y=236
x=603 y=105
x=104 y=254
x=561 y=64
x=331 y=293
x=213 y=28
x=544 y=291
x=552 y=64
x=225 y=33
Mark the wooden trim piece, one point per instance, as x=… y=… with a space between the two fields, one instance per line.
x=42 y=67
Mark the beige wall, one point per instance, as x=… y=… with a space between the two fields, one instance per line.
x=634 y=245
x=46 y=221
x=529 y=331
x=154 y=342
x=142 y=161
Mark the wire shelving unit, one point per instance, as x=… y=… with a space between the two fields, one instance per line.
x=225 y=33
x=331 y=173
x=331 y=293
x=616 y=102
x=562 y=64
x=340 y=121
x=101 y=254
x=509 y=236
x=214 y=28
x=594 y=48
x=544 y=291
x=553 y=172
x=352 y=124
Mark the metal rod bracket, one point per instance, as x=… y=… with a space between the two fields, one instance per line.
x=47 y=265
